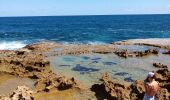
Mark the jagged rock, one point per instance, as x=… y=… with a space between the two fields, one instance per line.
x=112 y=89
x=146 y=52
x=21 y=93
x=163 y=75
x=159 y=65
x=163 y=95
x=137 y=90
x=123 y=54
x=60 y=83
x=126 y=54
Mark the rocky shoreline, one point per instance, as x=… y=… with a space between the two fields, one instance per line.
x=31 y=62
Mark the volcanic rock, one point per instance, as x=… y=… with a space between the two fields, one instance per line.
x=112 y=90
x=21 y=93
x=137 y=90
x=159 y=65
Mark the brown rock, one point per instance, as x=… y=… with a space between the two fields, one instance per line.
x=137 y=90
x=21 y=93
x=112 y=90
x=163 y=95
x=163 y=75
x=159 y=65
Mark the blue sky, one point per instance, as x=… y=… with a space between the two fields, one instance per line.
x=82 y=7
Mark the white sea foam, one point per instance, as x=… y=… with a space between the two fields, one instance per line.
x=96 y=43
x=11 y=45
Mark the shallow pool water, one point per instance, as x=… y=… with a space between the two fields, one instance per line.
x=88 y=68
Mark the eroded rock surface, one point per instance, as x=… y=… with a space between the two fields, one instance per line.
x=125 y=53
x=111 y=89
x=21 y=93
x=159 y=65
x=30 y=62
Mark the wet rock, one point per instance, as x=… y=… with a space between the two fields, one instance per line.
x=146 y=52
x=159 y=65
x=123 y=54
x=167 y=52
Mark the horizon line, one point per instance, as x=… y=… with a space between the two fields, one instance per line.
x=83 y=15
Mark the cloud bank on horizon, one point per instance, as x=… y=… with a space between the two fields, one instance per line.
x=82 y=7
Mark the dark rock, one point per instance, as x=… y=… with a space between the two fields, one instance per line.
x=159 y=65
x=137 y=90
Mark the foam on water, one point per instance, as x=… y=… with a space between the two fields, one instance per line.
x=11 y=45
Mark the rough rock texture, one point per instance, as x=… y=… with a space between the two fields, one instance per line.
x=163 y=75
x=21 y=93
x=163 y=95
x=137 y=90
x=112 y=90
x=50 y=81
x=32 y=64
x=125 y=53
x=159 y=65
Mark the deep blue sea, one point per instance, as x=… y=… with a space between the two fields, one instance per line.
x=16 y=32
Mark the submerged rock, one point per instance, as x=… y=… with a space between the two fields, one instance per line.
x=83 y=69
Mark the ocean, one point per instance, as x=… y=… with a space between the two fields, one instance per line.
x=16 y=32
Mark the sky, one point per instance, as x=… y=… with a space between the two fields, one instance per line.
x=82 y=7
